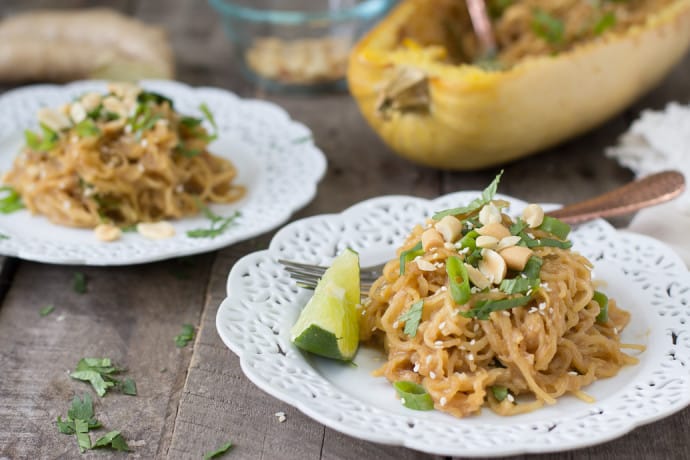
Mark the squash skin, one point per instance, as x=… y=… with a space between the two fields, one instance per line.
x=478 y=119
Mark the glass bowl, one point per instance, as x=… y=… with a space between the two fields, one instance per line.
x=302 y=45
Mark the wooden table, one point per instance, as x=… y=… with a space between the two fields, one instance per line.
x=196 y=398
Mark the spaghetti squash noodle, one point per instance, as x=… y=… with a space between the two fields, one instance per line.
x=479 y=309
x=121 y=158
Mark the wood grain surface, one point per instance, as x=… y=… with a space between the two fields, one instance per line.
x=194 y=399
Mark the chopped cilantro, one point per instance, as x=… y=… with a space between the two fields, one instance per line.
x=219 y=224
x=113 y=440
x=146 y=97
x=184 y=337
x=87 y=128
x=79 y=283
x=129 y=387
x=487 y=195
x=10 y=200
x=409 y=255
x=219 y=451
x=412 y=318
x=45 y=311
x=547 y=27
x=100 y=373
x=483 y=308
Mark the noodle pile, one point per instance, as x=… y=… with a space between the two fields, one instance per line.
x=552 y=345
x=121 y=158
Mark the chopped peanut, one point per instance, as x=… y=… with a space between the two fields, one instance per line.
x=498 y=231
x=486 y=241
x=107 y=232
x=493 y=266
x=516 y=257
x=53 y=119
x=507 y=242
x=477 y=277
x=490 y=214
x=431 y=238
x=425 y=265
x=533 y=215
x=450 y=227
x=156 y=231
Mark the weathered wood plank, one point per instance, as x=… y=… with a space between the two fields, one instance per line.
x=130 y=314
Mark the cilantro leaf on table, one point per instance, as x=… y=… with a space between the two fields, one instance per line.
x=218 y=224
x=45 y=311
x=113 y=440
x=99 y=373
x=186 y=336
x=80 y=283
x=476 y=204
x=219 y=451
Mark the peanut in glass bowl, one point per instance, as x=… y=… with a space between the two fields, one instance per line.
x=303 y=45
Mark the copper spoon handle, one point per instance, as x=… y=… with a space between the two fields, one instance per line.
x=649 y=191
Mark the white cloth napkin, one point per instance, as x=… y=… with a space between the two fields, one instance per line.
x=655 y=142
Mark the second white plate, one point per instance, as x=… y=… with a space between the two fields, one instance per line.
x=275 y=157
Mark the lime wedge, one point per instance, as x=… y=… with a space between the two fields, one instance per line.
x=328 y=325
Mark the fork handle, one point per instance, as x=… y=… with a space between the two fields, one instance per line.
x=649 y=191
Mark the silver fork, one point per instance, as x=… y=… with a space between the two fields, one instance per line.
x=648 y=191
x=307 y=275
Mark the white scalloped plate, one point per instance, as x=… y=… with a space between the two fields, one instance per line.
x=644 y=276
x=275 y=157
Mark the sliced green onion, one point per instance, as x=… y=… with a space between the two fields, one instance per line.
x=10 y=200
x=87 y=128
x=459 y=289
x=533 y=267
x=556 y=227
x=603 y=301
x=412 y=318
x=413 y=396
x=409 y=255
x=483 y=308
x=499 y=392
x=487 y=195
x=469 y=240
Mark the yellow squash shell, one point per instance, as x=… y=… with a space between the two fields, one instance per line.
x=462 y=117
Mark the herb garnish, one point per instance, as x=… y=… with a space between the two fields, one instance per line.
x=544 y=242
x=80 y=419
x=185 y=152
x=413 y=396
x=556 y=227
x=10 y=200
x=87 y=128
x=45 y=311
x=79 y=283
x=218 y=224
x=533 y=267
x=409 y=255
x=603 y=301
x=412 y=318
x=487 y=195
x=483 y=308
x=605 y=22
x=99 y=372
x=547 y=27
x=518 y=285
x=186 y=336
x=469 y=240
x=218 y=452
x=145 y=97
x=41 y=143
x=499 y=392
x=458 y=280
x=114 y=440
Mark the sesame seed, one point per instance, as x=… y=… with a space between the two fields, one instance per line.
x=438 y=343
x=395 y=325
x=462 y=347
x=416 y=367
x=506 y=313
x=542 y=305
x=615 y=330
x=510 y=398
x=476 y=327
x=533 y=309
x=444 y=288
x=443 y=400
x=428 y=359
x=572 y=373
x=522 y=275
x=442 y=325
x=432 y=374
x=373 y=329
x=402 y=401
x=529 y=292
x=551 y=310
x=144 y=143
x=470 y=357
x=472 y=342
